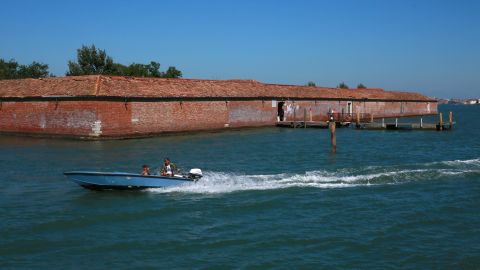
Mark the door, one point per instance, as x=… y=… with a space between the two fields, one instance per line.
x=350 y=108
x=280 y=111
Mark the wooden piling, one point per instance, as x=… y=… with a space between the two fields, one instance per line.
x=371 y=118
x=311 y=119
x=440 y=123
x=333 y=136
x=450 y=119
x=358 y=119
x=396 y=122
x=305 y=118
x=421 y=122
x=383 y=122
x=294 y=116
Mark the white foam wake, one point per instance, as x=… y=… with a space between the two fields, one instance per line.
x=474 y=162
x=222 y=182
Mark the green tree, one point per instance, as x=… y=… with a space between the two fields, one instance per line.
x=310 y=83
x=342 y=85
x=119 y=69
x=137 y=70
x=34 y=70
x=12 y=70
x=154 y=69
x=148 y=70
x=361 y=86
x=8 y=70
x=172 y=72
x=91 y=61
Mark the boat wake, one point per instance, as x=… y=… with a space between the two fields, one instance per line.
x=223 y=182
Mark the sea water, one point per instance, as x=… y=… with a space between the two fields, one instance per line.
x=269 y=198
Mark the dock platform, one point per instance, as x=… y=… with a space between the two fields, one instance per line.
x=309 y=124
x=366 y=122
x=404 y=126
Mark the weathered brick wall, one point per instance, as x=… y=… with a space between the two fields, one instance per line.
x=69 y=118
x=156 y=117
x=319 y=109
x=251 y=113
x=104 y=118
x=316 y=110
x=395 y=109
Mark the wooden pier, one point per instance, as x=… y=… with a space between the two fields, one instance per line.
x=309 y=124
x=341 y=120
x=404 y=126
x=420 y=125
x=365 y=122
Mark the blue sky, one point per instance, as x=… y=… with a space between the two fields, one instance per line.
x=431 y=47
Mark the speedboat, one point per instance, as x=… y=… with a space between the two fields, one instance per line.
x=129 y=181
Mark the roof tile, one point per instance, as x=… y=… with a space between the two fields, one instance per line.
x=162 y=87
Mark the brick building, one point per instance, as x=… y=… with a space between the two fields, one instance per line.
x=108 y=106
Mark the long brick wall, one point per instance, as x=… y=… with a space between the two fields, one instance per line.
x=319 y=109
x=126 y=119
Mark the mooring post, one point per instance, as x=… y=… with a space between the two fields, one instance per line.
x=371 y=118
x=333 y=136
x=358 y=119
x=421 y=122
x=294 y=116
x=305 y=118
x=383 y=122
x=311 y=119
x=450 y=119
x=396 y=122
x=440 y=124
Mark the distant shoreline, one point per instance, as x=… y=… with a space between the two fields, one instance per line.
x=467 y=101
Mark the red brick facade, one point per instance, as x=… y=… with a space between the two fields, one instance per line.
x=90 y=114
x=119 y=119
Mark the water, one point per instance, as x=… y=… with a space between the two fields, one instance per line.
x=270 y=198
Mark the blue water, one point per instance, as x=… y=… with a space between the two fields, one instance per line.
x=270 y=198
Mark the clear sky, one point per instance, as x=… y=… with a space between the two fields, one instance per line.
x=432 y=47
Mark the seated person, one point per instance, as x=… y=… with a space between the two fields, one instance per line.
x=146 y=170
x=168 y=168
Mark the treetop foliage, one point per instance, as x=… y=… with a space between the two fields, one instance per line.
x=12 y=70
x=361 y=86
x=310 y=83
x=93 y=61
x=90 y=61
x=342 y=85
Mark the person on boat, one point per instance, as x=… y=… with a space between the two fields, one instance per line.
x=145 y=170
x=168 y=168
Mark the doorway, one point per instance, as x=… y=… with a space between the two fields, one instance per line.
x=280 y=111
x=350 y=108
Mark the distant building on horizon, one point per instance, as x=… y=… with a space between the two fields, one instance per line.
x=472 y=101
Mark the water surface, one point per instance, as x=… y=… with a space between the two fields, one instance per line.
x=270 y=198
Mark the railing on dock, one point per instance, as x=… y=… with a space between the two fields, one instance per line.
x=394 y=124
x=363 y=121
x=366 y=121
x=353 y=117
x=340 y=119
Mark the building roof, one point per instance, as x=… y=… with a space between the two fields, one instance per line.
x=130 y=87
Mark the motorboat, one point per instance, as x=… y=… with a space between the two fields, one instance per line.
x=129 y=181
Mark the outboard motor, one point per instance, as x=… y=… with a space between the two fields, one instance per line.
x=195 y=174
